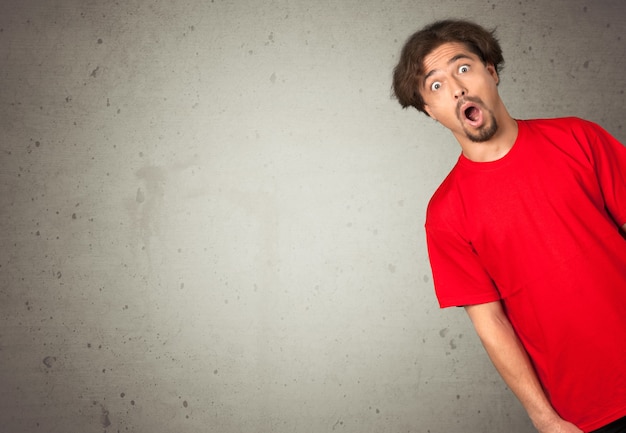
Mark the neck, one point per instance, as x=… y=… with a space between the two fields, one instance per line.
x=496 y=147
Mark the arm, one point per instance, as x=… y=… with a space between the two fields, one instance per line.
x=512 y=362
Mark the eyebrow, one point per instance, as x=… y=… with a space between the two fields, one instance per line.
x=452 y=60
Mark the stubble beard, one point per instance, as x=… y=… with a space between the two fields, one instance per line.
x=485 y=132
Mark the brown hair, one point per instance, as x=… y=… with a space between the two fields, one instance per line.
x=410 y=69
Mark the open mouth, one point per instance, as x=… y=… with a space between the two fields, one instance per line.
x=472 y=114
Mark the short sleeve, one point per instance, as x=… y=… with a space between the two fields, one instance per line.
x=458 y=275
x=610 y=165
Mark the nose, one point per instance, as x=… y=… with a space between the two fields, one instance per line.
x=459 y=90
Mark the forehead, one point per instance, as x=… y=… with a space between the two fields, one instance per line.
x=440 y=57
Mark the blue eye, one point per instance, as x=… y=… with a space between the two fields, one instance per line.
x=435 y=86
x=463 y=69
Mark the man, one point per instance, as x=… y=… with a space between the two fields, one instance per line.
x=526 y=233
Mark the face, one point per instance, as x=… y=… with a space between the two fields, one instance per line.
x=461 y=93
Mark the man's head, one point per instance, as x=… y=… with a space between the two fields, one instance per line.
x=409 y=73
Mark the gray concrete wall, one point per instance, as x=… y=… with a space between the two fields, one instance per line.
x=211 y=212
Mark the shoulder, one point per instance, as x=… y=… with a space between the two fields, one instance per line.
x=565 y=132
x=443 y=204
x=561 y=126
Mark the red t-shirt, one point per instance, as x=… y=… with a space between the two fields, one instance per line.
x=539 y=230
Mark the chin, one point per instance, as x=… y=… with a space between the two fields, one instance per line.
x=484 y=133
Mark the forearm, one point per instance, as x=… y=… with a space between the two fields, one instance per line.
x=512 y=362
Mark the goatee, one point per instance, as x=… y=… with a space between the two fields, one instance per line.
x=485 y=132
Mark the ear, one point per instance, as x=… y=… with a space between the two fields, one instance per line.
x=494 y=74
x=429 y=112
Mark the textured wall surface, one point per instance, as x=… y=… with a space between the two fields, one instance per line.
x=211 y=212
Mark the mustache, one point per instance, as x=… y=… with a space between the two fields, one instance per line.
x=466 y=99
